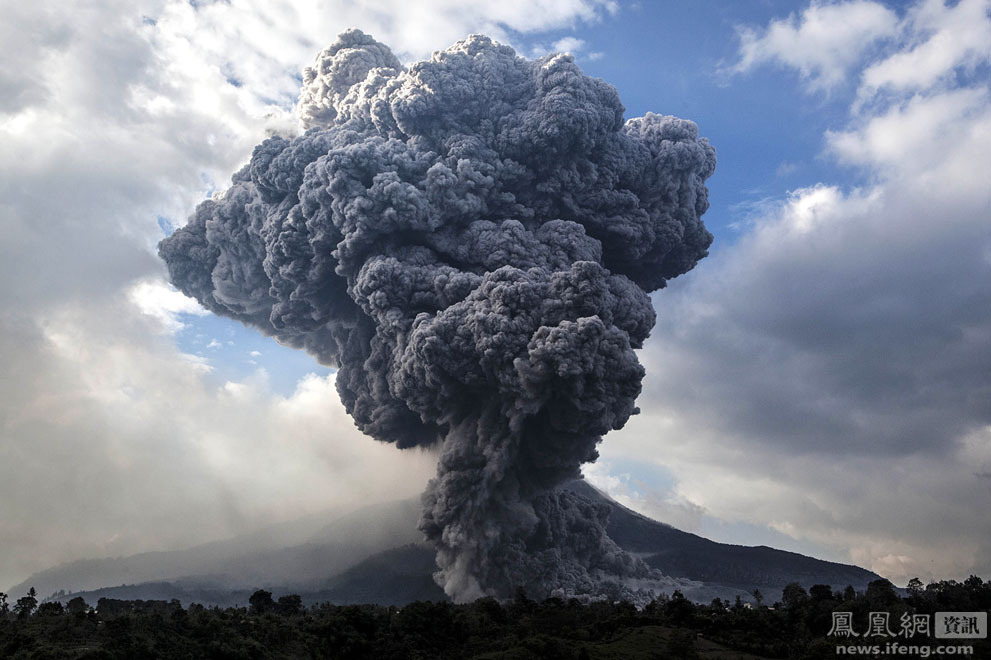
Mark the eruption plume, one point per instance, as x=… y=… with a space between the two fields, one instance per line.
x=471 y=241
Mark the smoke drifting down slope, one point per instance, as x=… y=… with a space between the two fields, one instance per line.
x=471 y=241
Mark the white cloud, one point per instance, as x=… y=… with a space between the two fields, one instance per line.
x=118 y=437
x=941 y=39
x=828 y=373
x=665 y=505
x=571 y=45
x=568 y=45
x=198 y=363
x=822 y=43
x=942 y=134
x=163 y=302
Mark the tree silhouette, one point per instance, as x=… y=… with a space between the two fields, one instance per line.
x=289 y=605
x=77 y=606
x=820 y=592
x=555 y=629
x=793 y=596
x=51 y=608
x=261 y=602
x=915 y=587
x=26 y=605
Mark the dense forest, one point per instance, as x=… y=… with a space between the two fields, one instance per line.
x=669 y=627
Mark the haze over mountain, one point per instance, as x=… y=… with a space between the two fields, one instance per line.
x=376 y=554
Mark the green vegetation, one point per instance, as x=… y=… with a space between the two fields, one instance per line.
x=521 y=629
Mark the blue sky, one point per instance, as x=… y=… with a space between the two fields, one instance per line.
x=818 y=383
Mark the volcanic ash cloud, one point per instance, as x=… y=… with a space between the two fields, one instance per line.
x=471 y=241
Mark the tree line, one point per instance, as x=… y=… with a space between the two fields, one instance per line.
x=521 y=628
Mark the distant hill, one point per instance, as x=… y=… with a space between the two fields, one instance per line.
x=298 y=553
x=376 y=555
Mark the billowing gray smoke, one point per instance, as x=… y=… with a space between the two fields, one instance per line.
x=471 y=241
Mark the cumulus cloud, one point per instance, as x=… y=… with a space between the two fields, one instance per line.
x=940 y=39
x=926 y=137
x=822 y=42
x=828 y=373
x=569 y=45
x=891 y=53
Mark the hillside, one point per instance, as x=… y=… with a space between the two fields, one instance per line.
x=299 y=552
x=375 y=555
x=685 y=555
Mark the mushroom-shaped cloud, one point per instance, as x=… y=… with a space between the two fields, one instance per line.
x=471 y=241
